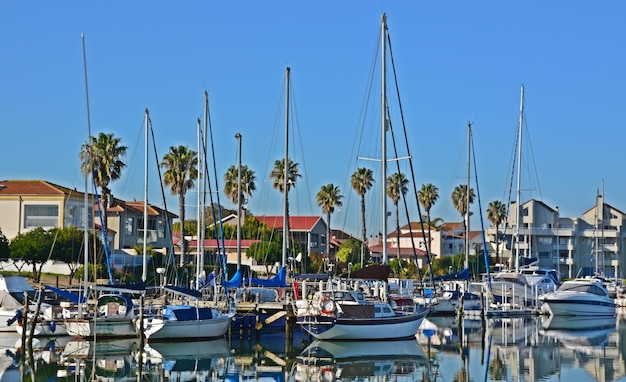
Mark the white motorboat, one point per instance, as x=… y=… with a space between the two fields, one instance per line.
x=579 y=297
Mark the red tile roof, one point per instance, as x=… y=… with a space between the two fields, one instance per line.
x=211 y=243
x=296 y=223
x=34 y=187
x=404 y=251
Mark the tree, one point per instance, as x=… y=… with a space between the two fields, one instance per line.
x=102 y=157
x=397 y=187
x=69 y=247
x=349 y=251
x=427 y=196
x=33 y=247
x=362 y=180
x=328 y=197
x=231 y=186
x=181 y=171
x=278 y=176
x=265 y=252
x=4 y=246
x=496 y=212
x=460 y=201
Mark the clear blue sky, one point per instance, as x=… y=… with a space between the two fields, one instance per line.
x=455 y=60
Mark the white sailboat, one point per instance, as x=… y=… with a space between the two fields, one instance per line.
x=114 y=315
x=343 y=315
x=189 y=320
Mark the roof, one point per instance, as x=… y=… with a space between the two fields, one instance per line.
x=211 y=243
x=296 y=223
x=137 y=206
x=391 y=251
x=35 y=187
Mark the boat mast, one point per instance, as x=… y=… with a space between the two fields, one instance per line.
x=200 y=177
x=519 y=176
x=144 y=272
x=87 y=172
x=285 y=175
x=205 y=179
x=383 y=115
x=467 y=194
x=238 y=137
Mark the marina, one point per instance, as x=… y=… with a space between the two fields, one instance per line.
x=444 y=349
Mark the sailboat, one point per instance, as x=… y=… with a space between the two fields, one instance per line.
x=189 y=320
x=346 y=314
x=114 y=314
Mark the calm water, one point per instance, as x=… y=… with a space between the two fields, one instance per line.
x=514 y=349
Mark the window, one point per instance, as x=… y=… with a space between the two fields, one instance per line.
x=41 y=215
x=130 y=226
x=161 y=229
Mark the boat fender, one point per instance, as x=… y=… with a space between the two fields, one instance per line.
x=53 y=326
x=328 y=306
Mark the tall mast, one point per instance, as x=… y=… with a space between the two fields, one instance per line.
x=144 y=272
x=467 y=195
x=200 y=177
x=519 y=177
x=87 y=172
x=383 y=122
x=286 y=172
x=238 y=137
x=205 y=179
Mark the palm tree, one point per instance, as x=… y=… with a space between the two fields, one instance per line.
x=397 y=187
x=362 y=180
x=496 y=212
x=247 y=183
x=278 y=174
x=102 y=156
x=180 y=166
x=427 y=196
x=460 y=201
x=328 y=198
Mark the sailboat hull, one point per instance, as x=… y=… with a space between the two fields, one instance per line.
x=160 y=329
x=103 y=328
x=385 y=328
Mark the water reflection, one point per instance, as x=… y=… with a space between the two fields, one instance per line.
x=521 y=349
x=348 y=360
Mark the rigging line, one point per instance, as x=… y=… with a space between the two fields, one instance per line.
x=217 y=226
x=480 y=209
x=532 y=156
x=404 y=202
x=364 y=109
x=298 y=130
x=419 y=210
x=219 y=210
x=103 y=231
x=169 y=228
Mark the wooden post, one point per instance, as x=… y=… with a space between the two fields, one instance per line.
x=24 y=324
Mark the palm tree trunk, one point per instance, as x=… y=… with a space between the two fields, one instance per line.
x=429 y=248
x=363 y=228
x=398 y=232
x=183 y=243
x=328 y=236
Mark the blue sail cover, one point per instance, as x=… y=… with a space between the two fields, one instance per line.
x=73 y=297
x=235 y=282
x=280 y=280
